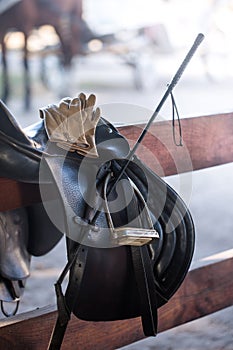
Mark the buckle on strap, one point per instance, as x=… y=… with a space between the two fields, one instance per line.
x=136 y=236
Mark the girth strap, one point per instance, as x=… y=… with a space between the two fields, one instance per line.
x=146 y=287
x=66 y=303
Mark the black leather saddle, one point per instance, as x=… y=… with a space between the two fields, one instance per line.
x=130 y=241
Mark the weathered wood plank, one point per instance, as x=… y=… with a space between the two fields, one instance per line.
x=15 y=194
x=208 y=141
x=200 y=294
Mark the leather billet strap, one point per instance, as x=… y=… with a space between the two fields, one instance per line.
x=146 y=287
x=66 y=303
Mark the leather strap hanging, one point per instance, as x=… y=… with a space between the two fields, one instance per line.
x=146 y=287
x=66 y=303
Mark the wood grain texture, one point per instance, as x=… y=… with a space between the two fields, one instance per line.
x=207 y=140
x=200 y=294
x=15 y=194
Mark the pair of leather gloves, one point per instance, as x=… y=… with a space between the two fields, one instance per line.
x=72 y=123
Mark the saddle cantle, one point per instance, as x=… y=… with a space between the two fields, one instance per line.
x=129 y=245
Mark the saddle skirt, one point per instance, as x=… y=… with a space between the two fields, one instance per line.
x=129 y=242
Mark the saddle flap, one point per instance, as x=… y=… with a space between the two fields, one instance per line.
x=40 y=242
x=14 y=258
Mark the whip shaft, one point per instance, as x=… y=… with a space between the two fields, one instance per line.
x=171 y=86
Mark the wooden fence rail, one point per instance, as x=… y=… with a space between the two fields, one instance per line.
x=208 y=141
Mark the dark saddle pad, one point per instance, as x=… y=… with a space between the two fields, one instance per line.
x=120 y=277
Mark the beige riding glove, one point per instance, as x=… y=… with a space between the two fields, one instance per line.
x=72 y=124
x=90 y=119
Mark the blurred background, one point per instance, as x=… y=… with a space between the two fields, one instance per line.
x=126 y=52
